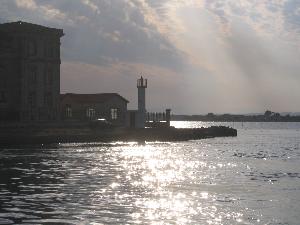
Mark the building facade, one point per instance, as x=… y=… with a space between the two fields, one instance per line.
x=85 y=107
x=29 y=72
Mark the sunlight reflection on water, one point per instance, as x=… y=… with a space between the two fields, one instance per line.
x=173 y=181
x=251 y=179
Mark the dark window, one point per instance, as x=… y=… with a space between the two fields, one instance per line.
x=41 y=114
x=68 y=111
x=32 y=77
x=48 y=101
x=48 y=79
x=114 y=113
x=2 y=82
x=32 y=99
x=90 y=112
x=6 y=42
x=2 y=97
x=3 y=77
x=50 y=47
x=32 y=48
x=57 y=51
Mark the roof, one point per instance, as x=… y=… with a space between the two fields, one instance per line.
x=91 y=98
x=24 y=27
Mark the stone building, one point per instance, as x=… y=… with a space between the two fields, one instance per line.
x=84 y=107
x=29 y=72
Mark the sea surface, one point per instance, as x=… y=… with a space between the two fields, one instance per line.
x=253 y=178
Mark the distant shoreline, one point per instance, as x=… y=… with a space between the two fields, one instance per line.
x=236 y=118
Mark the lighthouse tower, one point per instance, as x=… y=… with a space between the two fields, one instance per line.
x=141 y=115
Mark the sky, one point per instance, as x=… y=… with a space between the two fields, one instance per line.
x=199 y=56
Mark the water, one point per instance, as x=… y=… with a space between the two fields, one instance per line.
x=250 y=179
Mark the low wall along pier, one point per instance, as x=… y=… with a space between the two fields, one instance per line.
x=65 y=134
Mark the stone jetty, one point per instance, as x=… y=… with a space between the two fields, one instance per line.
x=77 y=134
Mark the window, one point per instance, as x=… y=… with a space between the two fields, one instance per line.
x=90 y=113
x=48 y=79
x=114 y=114
x=50 y=48
x=48 y=101
x=3 y=76
x=2 y=82
x=32 y=76
x=32 y=99
x=32 y=48
x=2 y=97
x=68 y=111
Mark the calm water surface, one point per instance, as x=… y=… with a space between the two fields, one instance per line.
x=250 y=179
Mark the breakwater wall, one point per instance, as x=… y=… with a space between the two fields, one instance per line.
x=37 y=135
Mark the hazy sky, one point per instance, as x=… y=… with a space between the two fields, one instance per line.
x=199 y=56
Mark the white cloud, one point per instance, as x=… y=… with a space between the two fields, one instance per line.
x=92 y=5
x=52 y=13
x=27 y=4
x=267 y=18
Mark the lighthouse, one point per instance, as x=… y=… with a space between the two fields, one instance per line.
x=141 y=115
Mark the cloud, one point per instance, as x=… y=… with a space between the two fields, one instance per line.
x=125 y=30
x=229 y=55
x=27 y=4
x=265 y=17
x=92 y=5
x=246 y=48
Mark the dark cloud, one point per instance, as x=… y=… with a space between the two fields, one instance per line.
x=233 y=55
x=99 y=32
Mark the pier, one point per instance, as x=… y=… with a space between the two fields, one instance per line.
x=70 y=133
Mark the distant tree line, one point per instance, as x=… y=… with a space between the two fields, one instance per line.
x=268 y=116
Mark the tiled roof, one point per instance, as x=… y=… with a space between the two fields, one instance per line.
x=21 y=26
x=91 y=98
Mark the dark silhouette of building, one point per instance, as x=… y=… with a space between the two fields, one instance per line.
x=83 y=107
x=141 y=115
x=137 y=118
x=29 y=72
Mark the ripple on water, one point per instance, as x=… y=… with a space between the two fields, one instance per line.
x=251 y=179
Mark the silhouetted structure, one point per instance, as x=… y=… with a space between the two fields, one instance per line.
x=158 y=119
x=66 y=134
x=83 y=107
x=29 y=72
x=137 y=118
x=141 y=113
